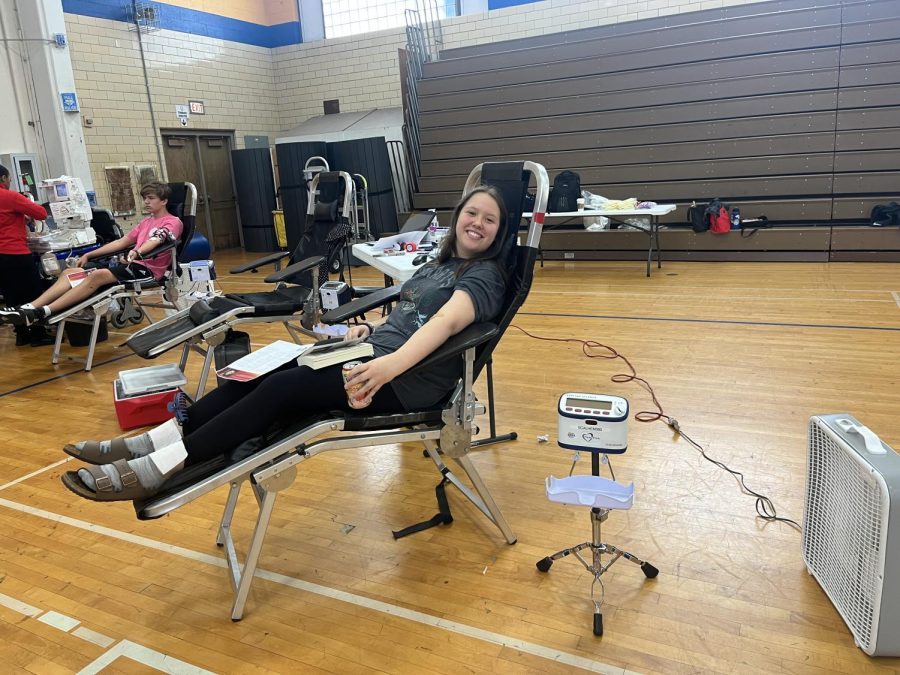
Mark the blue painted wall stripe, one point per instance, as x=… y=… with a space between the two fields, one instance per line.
x=195 y=22
x=500 y=4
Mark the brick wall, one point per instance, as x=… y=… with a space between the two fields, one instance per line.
x=254 y=90
x=236 y=82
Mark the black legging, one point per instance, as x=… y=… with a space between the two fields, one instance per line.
x=238 y=411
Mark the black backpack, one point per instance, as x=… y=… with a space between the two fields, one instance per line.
x=697 y=217
x=714 y=217
x=886 y=214
x=565 y=193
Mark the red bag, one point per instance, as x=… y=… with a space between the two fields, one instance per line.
x=720 y=222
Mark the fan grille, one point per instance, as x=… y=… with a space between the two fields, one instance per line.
x=842 y=533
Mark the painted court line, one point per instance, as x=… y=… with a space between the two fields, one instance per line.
x=93 y=636
x=726 y=322
x=896 y=297
x=19 y=606
x=60 y=621
x=144 y=656
x=360 y=601
x=35 y=473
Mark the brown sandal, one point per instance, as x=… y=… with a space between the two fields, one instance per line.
x=92 y=453
x=131 y=487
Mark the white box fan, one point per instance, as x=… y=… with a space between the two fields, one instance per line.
x=851 y=530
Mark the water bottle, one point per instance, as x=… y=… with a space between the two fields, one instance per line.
x=735 y=218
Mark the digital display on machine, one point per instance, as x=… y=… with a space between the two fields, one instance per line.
x=62 y=190
x=587 y=403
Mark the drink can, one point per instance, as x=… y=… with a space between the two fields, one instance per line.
x=351 y=392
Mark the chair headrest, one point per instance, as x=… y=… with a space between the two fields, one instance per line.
x=330 y=186
x=177 y=199
x=201 y=312
x=511 y=180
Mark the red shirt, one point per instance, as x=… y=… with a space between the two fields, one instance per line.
x=13 y=209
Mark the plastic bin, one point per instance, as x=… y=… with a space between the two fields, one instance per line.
x=79 y=334
x=280 y=231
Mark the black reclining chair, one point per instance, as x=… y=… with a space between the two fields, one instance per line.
x=269 y=464
x=294 y=300
x=127 y=302
x=105 y=226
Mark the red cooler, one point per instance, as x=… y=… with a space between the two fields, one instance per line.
x=142 y=395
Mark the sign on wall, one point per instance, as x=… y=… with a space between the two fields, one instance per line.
x=69 y=101
x=183 y=113
x=197 y=107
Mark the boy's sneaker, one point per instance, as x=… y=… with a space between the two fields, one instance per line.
x=23 y=317
x=6 y=313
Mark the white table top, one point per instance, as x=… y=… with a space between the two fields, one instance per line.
x=399 y=267
x=658 y=210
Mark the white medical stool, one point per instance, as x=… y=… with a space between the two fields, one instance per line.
x=601 y=495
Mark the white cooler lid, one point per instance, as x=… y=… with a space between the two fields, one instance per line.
x=153 y=378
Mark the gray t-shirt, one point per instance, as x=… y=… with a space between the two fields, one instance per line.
x=420 y=298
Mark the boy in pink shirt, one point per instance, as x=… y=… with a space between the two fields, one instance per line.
x=160 y=227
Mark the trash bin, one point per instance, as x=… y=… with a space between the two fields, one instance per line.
x=235 y=345
x=79 y=334
x=280 y=232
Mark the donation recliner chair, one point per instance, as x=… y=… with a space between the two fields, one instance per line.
x=270 y=464
x=293 y=301
x=126 y=303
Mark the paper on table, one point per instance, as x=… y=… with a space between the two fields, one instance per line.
x=397 y=241
x=261 y=361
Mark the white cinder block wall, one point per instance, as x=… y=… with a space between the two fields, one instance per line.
x=260 y=91
x=235 y=81
x=363 y=71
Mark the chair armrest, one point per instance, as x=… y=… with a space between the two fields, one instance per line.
x=361 y=305
x=296 y=268
x=471 y=336
x=267 y=260
x=362 y=291
x=162 y=248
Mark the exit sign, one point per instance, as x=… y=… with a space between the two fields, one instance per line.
x=197 y=107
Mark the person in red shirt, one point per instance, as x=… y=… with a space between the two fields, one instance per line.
x=160 y=227
x=19 y=277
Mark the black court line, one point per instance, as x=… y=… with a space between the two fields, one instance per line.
x=60 y=377
x=721 y=321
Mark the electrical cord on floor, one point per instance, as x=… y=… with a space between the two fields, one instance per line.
x=765 y=508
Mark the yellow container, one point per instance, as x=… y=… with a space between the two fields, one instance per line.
x=280 y=232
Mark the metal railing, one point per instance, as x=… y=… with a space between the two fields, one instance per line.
x=404 y=185
x=424 y=41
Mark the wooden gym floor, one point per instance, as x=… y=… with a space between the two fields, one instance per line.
x=741 y=354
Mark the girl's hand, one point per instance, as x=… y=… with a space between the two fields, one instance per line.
x=132 y=255
x=82 y=261
x=373 y=374
x=356 y=332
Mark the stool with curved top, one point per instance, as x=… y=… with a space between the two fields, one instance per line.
x=602 y=495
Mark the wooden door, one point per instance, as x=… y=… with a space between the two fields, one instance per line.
x=182 y=166
x=215 y=157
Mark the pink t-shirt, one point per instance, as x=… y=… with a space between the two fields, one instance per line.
x=168 y=226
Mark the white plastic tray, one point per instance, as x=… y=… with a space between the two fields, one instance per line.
x=153 y=378
x=590 y=491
